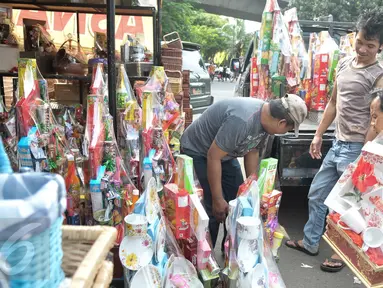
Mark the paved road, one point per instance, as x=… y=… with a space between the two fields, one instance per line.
x=293 y=215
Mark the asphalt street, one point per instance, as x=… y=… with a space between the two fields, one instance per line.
x=293 y=215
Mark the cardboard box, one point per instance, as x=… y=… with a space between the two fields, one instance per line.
x=270 y=166
x=177 y=210
x=190 y=247
x=203 y=254
x=270 y=205
x=199 y=220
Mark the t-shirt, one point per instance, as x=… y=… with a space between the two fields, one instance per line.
x=353 y=99
x=234 y=124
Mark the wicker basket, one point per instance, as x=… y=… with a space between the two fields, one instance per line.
x=171 y=52
x=171 y=60
x=172 y=42
x=174 y=67
x=85 y=250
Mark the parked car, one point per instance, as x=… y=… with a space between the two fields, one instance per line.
x=295 y=166
x=200 y=85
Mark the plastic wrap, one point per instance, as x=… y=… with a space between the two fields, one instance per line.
x=250 y=260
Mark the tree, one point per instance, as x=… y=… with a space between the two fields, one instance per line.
x=214 y=33
x=177 y=16
x=341 y=10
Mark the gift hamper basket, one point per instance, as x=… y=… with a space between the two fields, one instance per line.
x=85 y=251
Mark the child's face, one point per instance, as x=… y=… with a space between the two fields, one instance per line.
x=376 y=115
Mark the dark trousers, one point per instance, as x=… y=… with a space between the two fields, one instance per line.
x=232 y=178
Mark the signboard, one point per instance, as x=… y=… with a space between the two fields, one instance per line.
x=61 y=24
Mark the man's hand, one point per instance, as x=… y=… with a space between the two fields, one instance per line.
x=315 y=147
x=220 y=209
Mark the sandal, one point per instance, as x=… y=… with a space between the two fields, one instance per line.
x=329 y=268
x=298 y=247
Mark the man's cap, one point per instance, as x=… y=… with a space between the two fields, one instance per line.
x=296 y=109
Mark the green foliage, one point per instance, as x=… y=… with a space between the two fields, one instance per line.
x=212 y=32
x=341 y=10
x=176 y=16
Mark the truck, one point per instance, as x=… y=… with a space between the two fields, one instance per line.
x=295 y=165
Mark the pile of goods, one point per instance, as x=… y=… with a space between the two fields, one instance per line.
x=355 y=226
x=254 y=235
x=281 y=63
x=171 y=56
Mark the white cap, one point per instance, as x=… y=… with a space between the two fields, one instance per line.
x=136 y=192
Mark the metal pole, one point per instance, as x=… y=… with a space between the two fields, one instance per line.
x=110 y=16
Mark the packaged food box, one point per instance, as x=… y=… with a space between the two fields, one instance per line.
x=269 y=167
x=185 y=173
x=177 y=210
x=199 y=220
x=270 y=203
x=190 y=247
x=203 y=254
x=245 y=206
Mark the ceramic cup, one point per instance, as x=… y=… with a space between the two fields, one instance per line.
x=248 y=227
x=372 y=238
x=136 y=225
x=354 y=220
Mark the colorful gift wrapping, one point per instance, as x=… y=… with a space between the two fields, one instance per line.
x=269 y=168
x=270 y=203
x=147 y=109
x=254 y=76
x=185 y=173
x=177 y=210
x=27 y=74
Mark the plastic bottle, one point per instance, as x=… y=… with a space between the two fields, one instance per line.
x=136 y=196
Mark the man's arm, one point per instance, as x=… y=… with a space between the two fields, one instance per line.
x=251 y=162
x=214 y=176
x=327 y=118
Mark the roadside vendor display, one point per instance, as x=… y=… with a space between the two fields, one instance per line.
x=135 y=181
x=355 y=226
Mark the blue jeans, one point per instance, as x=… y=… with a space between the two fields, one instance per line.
x=334 y=164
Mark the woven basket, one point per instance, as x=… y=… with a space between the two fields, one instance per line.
x=171 y=60
x=172 y=42
x=174 y=67
x=171 y=52
x=85 y=250
x=36 y=261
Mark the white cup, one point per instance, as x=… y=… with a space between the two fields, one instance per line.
x=354 y=220
x=372 y=238
x=248 y=227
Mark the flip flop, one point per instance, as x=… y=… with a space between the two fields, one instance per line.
x=327 y=268
x=298 y=247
